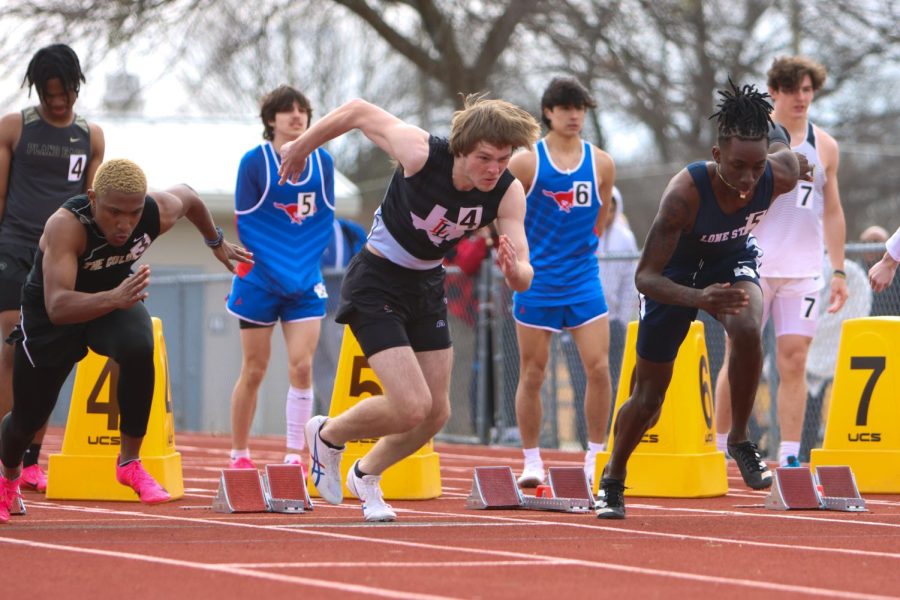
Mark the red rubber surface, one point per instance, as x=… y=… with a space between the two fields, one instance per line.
x=437 y=549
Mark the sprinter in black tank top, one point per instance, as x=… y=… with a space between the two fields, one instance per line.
x=393 y=293
x=699 y=255
x=82 y=294
x=47 y=155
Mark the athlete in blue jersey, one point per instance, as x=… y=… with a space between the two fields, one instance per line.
x=569 y=185
x=287 y=228
x=699 y=254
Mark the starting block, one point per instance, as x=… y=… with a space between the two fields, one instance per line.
x=240 y=490
x=839 y=491
x=570 y=482
x=495 y=488
x=18 y=507
x=795 y=489
x=285 y=489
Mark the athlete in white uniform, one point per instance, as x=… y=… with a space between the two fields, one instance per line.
x=800 y=225
x=882 y=273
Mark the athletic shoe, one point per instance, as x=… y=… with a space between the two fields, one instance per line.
x=611 y=500
x=755 y=472
x=326 y=462
x=9 y=496
x=34 y=478
x=134 y=476
x=791 y=462
x=368 y=490
x=242 y=463
x=532 y=476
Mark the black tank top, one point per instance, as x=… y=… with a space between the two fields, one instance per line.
x=48 y=166
x=426 y=215
x=102 y=266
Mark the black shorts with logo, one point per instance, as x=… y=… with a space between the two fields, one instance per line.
x=15 y=263
x=388 y=306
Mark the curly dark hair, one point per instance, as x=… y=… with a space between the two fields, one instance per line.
x=57 y=61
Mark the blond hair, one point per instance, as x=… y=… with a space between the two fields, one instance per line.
x=120 y=175
x=786 y=73
x=495 y=122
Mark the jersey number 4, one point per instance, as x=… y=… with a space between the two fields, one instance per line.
x=77 y=163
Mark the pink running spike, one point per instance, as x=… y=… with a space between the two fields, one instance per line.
x=34 y=478
x=134 y=476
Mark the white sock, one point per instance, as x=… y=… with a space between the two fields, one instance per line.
x=243 y=453
x=722 y=442
x=298 y=410
x=786 y=449
x=590 y=456
x=533 y=457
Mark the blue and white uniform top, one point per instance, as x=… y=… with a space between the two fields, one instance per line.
x=287 y=227
x=792 y=236
x=717 y=235
x=560 y=221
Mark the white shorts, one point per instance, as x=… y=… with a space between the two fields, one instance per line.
x=793 y=304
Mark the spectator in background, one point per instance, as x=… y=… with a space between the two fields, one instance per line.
x=618 y=281
x=887 y=302
x=462 y=303
x=347 y=240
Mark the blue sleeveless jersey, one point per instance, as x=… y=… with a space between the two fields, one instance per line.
x=716 y=235
x=562 y=209
x=287 y=227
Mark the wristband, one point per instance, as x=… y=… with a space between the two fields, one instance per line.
x=839 y=273
x=220 y=237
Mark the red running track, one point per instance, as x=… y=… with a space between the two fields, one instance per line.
x=438 y=549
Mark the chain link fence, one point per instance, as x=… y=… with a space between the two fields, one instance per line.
x=204 y=352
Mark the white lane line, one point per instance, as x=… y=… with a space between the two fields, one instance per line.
x=230 y=570
x=394 y=565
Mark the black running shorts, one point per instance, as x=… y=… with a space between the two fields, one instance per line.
x=388 y=306
x=15 y=263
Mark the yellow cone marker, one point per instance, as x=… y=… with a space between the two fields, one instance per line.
x=677 y=457
x=416 y=477
x=863 y=427
x=86 y=467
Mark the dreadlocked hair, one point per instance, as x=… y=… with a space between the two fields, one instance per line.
x=57 y=61
x=743 y=113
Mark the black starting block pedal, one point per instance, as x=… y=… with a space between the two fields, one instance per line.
x=285 y=489
x=496 y=488
x=240 y=490
x=793 y=489
x=839 y=491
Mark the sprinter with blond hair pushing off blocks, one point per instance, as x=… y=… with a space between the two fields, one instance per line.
x=80 y=294
x=393 y=295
